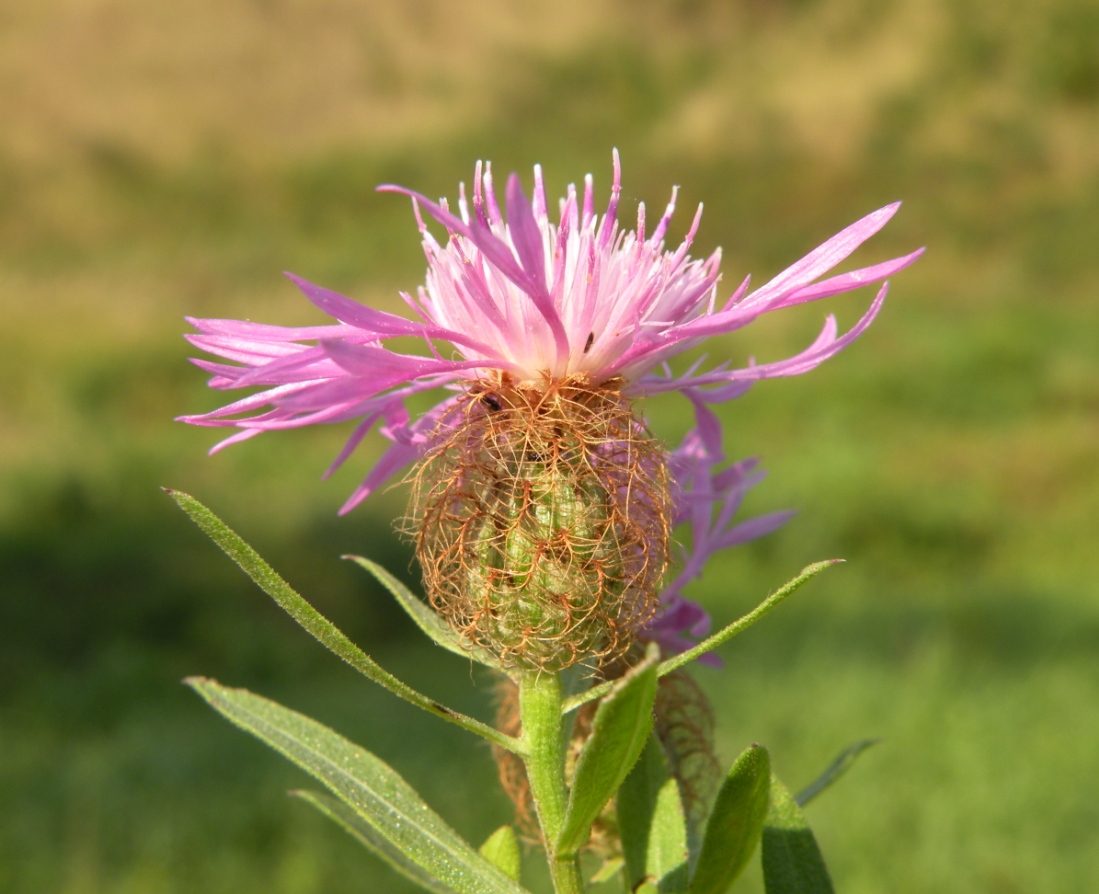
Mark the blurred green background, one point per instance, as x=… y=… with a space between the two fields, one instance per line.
x=160 y=159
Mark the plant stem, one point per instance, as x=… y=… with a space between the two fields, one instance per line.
x=540 y=700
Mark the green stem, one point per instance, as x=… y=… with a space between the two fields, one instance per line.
x=544 y=745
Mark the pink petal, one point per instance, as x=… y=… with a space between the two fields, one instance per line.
x=825 y=256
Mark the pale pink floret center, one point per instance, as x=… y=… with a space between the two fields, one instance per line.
x=608 y=287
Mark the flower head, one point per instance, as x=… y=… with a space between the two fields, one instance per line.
x=522 y=297
x=542 y=508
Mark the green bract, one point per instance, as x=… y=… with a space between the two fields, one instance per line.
x=541 y=521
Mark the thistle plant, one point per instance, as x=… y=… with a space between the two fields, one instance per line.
x=542 y=513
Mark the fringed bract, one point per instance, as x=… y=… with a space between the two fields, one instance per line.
x=512 y=772
x=685 y=728
x=541 y=520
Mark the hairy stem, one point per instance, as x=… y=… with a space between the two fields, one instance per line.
x=543 y=737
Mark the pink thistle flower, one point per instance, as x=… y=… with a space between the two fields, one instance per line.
x=535 y=301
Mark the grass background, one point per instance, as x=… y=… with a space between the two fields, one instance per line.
x=166 y=159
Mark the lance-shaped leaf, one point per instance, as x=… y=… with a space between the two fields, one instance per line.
x=722 y=636
x=651 y=824
x=667 y=857
x=501 y=849
x=610 y=868
x=327 y=633
x=619 y=732
x=792 y=862
x=843 y=762
x=636 y=805
x=366 y=784
x=368 y=836
x=735 y=823
x=426 y=618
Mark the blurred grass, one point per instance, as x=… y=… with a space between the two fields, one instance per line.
x=164 y=160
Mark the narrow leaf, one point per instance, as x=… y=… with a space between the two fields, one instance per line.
x=369 y=786
x=368 y=836
x=501 y=849
x=735 y=823
x=319 y=626
x=742 y=624
x=843 y=762
x=651 y=824
x=792 y=862
x=607 y=871
x=619 y=732
x=635 y=808
x=426 y=618
x=666 y=860
x=717 y=639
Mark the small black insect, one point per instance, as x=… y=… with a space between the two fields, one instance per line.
x=492 y=402
x=589 y=342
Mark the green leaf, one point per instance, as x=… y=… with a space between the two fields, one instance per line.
x=792 y=862
x=607 y=871
x=320 y=627
x=619 y=732
x=717 y=639
x=366 y=834
x=426 y=618
x=635 y=807
x=735 y=823
x=372 y=789
x=501 y=849
x=651 y=824
x=667 y=856
x=843 y=762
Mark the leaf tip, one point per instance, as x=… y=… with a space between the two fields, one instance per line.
x=182 y=499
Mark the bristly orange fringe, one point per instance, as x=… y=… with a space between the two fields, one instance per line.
x=513 y=774
x=541 y=520
x=685 y=728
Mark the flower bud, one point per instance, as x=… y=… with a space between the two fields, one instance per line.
x=542 y=522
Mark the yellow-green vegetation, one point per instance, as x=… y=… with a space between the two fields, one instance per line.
x=165 y=159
